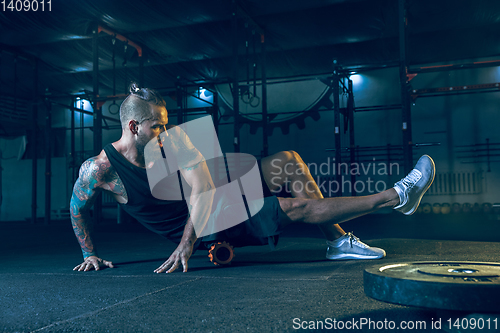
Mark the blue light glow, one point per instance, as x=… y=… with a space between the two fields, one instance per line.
x=356 y=79
x=205 y=94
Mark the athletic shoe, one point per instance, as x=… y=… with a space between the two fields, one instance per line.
x=350 y=247
x=411 y=189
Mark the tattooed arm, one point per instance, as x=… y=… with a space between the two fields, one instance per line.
x=85 y=191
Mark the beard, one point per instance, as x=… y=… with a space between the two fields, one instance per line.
x=142 y=141
x=154 y=150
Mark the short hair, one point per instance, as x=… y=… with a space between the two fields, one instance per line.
x=137 y=105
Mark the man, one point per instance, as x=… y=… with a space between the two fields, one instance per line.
x=121 y=170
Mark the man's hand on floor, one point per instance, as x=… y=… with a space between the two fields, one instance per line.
x=179 y=256
x=93 y=262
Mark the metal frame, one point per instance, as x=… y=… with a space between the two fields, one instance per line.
x=48 y=162
x=236 y=88
x=97 y=114
x=406 y=125
x=335 y=82
x=34 y=133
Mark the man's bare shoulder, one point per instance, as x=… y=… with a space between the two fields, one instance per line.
x=97 y=173
x=97 y=169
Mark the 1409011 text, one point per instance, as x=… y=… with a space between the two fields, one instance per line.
x=26 y=5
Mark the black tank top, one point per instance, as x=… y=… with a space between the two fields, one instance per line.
x=164 y=217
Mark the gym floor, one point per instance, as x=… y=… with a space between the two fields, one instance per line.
x=261 y=291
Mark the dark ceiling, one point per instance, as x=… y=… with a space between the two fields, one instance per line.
x=192 y=40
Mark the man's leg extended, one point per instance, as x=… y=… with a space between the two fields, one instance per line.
x=336 y=210
x=405 y=196
x=287 y=168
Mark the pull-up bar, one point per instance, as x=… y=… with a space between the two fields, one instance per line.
x=122 y=38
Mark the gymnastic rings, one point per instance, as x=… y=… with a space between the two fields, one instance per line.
x=251 y=99
x=112 y=110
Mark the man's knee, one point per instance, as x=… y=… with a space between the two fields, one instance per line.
x=292 y=156
x=295 y=209
x=275 y=164
x=286 y=156
x=279 y=167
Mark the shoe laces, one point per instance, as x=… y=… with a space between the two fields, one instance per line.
x=354 y=239
x=411 y=179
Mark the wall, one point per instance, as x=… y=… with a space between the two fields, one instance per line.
x=16 y=188
x=451 y=121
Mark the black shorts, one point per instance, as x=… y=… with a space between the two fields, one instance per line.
x=261 y=229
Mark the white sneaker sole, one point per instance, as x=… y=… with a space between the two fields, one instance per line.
x=410 y=212
x=351 y=256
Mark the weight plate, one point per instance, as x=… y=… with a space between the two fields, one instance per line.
x=448 y=285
